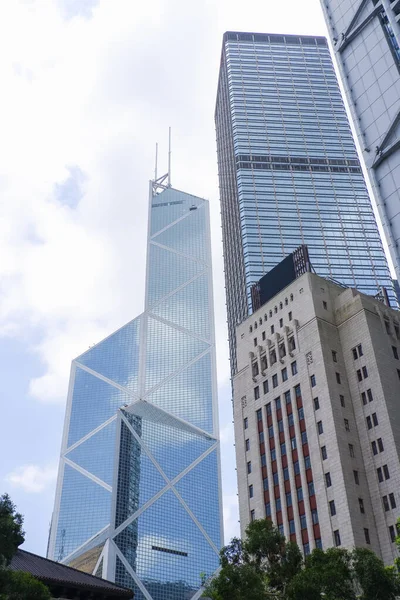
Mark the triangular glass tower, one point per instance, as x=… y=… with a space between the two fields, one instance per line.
x=138 y=496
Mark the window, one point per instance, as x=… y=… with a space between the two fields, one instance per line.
x=385 y=503
x=297 y=391
x=272 y=329
x=290 y=316
x=320 y=427
x=251 y=491
x=318 y=543
x=252 y=515
x=392 y=533
x=303 y=522
x=374 y=419
x=278 y=505
x=256 y=392
x=288 y=499
x=395 y=353
x=296 y=467
x=254 y=369
x=292 y=344
x=304 y=437
x=280 y=322
x=334 y=356
x=301 y=413
x=359 y=375
x=380 y=445
x=314 y=515
x=356 y=478
x=355 y=355
x=307 y=462
x=264 y=364
x=392 y=501
x=300 y=494
x=275 y=380
x=336 y=535
x=365 y=372
x=346 y=425
x=338 y=378
x=351 y=450
x=281 y=530
x=369 y=422
x=283 y=449
x=366 y=534
x=280 y=425
x=398 y=373
x=268 y=509
x=316 y=404
x=247 y=445
x=374 y=448
x=328 y=480
x=306 y=549
x=290 y=420
x=276 y=479
x=265 y=386
x=268 y=409
x=369 y=394
x=291 y=526
x=273 y=357
x=282 y=350
x=249 y=467
x=271 y=431
x=261 y=437
x=285 y=474
x=380 y=474
x=364 y=398
x=263 y=335
x=273 y=454
x=332 y=508
x=324 y=304
x=287 y=397
x=293 y=443
x=278 y=403
x=324 y=453
x=312 y=381
x=284 y=374
x=255 y=341
x=342 y=400
x=357 y=352
x=361 y=505
x=245 y=422
x=259 y=415
x=359 y=349
x=386 y=471
x=294 y=367
x=311 y=491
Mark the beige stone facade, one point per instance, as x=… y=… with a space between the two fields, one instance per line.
x=317 y=416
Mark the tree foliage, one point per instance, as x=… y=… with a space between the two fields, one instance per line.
x=15 y=585
x=266 y=566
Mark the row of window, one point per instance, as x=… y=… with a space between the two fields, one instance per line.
x=272 y=356
x=260 y=321
x=263 y=334
x=275 y=380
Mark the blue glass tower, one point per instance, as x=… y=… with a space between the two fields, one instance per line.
x=288 y=169
x=138 y=496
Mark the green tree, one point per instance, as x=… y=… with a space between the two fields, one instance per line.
x=15 y=585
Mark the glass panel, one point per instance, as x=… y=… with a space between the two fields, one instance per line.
x=188 y=395
x=117 y=357
x=188 y=235
x=96 y=454
x=169 y=206
x=168 y=349
x=93 y=402
x=84 y=510
x=189 y=307
x=191 y=487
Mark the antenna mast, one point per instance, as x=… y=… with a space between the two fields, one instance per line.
x=169 y=157
x=155 y=167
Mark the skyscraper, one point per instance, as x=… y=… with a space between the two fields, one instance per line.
x=366 y=39
x=288 y=169
x=138 y=497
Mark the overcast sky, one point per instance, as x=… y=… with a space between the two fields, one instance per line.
x=88 y=87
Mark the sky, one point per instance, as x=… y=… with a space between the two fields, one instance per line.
x=88 y=88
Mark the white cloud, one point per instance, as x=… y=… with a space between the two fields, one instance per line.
x=33 y=479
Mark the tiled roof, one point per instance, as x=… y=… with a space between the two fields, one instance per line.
x=49 y=572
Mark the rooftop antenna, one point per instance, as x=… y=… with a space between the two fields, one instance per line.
x=155 y=167
x=169 y=157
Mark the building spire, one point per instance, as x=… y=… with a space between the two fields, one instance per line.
x=169 y=157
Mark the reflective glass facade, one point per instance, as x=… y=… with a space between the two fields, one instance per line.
x=288 y=169
x=138 y=496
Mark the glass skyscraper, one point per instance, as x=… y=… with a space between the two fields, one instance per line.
x=288 y=169
x=138 y=497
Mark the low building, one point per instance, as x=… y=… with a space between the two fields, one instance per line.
x=65 y=582
x=317 y=419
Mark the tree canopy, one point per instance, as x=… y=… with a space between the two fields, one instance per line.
x=266 y=566
x=15 y=585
